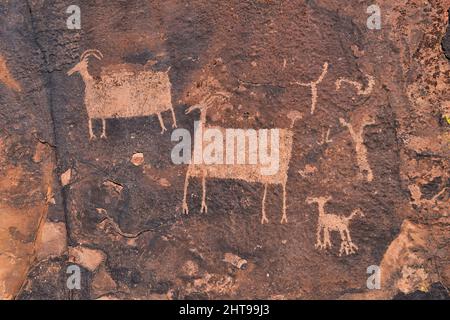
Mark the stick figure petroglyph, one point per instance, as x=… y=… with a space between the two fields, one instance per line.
x=361 y=151
x=332 y=222
x=313 y=85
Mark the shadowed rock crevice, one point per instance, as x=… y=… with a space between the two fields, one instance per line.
x=446 y=39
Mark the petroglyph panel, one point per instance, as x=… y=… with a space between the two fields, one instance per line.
x=360 y=117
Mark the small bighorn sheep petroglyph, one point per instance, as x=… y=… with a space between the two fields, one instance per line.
x=333 y=222
x=121 y=93
x=313 y=85
x=359 y=88
x=361 y=150
x=251 y=172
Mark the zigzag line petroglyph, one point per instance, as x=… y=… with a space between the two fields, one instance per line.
x=359 y=87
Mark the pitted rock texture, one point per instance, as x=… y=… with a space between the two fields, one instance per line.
x=375 y=151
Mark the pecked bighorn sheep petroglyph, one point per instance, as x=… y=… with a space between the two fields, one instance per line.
x=333 y=222
x=236 y=169
x=361 y=151
x=120 y=93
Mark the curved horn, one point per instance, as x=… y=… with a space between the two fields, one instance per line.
x=94 y=52
x=89 y=51
x=221 y=94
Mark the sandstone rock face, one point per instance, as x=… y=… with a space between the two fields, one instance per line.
x=52 y=241
x=86 y=257
x=89 y=121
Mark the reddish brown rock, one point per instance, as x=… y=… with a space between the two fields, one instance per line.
x=88 y=258
x=367 y=163
x=52 y=241
x=102 y=284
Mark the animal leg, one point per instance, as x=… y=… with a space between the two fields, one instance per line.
x=264 y=217
x=326 y=240
x=344 y=248
x=204 y=206
x=91 y=133
x=348 y=248
x=349 y=239
x=161 y=122
x=174 y=125
x=314 y=97
x=103 y=129
x=319 y=244
x=351 y=245
x=284 y=217
x=344 y=245
x=186 y=184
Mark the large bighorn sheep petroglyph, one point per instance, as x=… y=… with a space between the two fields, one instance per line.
x=239 y=170
x=333 y=222
x=361 y=150
x=313 y=85
x=124 y=94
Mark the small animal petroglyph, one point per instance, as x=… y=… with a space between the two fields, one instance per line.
x=120 y=93
x=359 y=87
x=245 y=172
x=313 y=85
x=6 y=77
x=332 y=222
x=325 y=138
x=361 y=151
x=307 y=171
